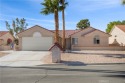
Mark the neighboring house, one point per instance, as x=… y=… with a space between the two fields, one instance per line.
x=5 y=38
x=39 y=38
x=118 y=34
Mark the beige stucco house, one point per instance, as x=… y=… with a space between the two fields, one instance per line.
x=118 y=34
x=5 y=37
x=39 y=38
x=5 y=40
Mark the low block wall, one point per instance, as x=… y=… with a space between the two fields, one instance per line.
x=6 y=47
x=16 y=48
x=1 y=48
x=119 y=48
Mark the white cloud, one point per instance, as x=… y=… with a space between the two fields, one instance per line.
x=32 y=20
x=90 y=5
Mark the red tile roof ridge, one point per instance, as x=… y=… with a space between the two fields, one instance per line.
x=122 y=27
x=3 y=33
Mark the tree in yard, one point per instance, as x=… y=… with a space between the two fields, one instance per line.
x=63 y=4
x=18 y=25
x=84 y=23
x=123 y=2
x=111 y=25
x=52 y=7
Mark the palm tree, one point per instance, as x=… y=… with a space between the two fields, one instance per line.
x=50 y=7
x=123 y=2
x=64 y=4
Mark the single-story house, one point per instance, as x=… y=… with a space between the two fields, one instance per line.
x=39 y=38
x=118 y=34
x=6 y=38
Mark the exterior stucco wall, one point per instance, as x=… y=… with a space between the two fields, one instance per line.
x=20 y=43
x=68 y=43
x=31 y=31
x=6 y=37
x=119 y=35
x=88 y=40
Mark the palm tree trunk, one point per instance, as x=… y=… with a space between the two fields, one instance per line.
x=56 y=26
x=63 y=19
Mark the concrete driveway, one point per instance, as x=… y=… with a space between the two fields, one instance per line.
x=23 y=58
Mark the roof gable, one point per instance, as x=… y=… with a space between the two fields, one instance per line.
x=89 y=30
x=121 y=27
x=67 y=32
x=85 y=30
x=34 y=28
x=95 y=31
x=3 y=33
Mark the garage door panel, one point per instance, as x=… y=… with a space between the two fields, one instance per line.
x=36 y=43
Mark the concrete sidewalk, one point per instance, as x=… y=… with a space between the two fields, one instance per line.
x=23 y=58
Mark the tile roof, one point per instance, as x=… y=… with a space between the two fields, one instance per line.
x=67 y=32
x=33 y=27
x=88 y=32
x=3 y=33
x=122 y=27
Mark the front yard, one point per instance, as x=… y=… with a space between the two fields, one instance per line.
x=90 y=57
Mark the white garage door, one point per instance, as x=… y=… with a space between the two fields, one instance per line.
x=36 y=43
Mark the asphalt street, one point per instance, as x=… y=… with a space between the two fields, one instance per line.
x=113 y=73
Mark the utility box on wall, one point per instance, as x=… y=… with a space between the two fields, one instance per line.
x=56 y=53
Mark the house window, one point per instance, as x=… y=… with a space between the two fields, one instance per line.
x=74 y=41
x=96 y=40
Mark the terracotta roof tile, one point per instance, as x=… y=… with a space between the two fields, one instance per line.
x=3 y=33
x=122 y=27
x=67 y=32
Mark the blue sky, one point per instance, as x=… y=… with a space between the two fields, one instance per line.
x=99 y=12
